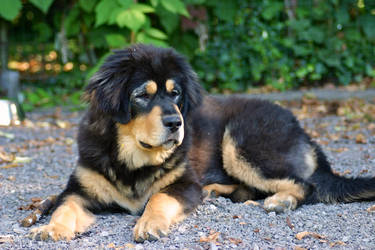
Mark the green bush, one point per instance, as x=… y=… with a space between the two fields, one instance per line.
x=260 y=44
x=250 y=43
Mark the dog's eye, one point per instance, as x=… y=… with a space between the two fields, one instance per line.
x=175 y=93
x=143 y=96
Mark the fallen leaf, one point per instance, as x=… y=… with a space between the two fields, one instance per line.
x=337 y=243
x=236 y=216
x=62 y=124
x=338 y=150
x=256 y=230
x=6 y=239
x=11 y=165
x=235 y=241
x=35 y=202
x=111 y=245
x=20 y=159
x=36 y=199
x=346 y=172
x=242 y=223
x=69 y=141
x=363 y=171
x=289 y=223
x=304 y=234
x=5 y=157
x=28 y=123
x=355 y=126
x=129 y=245
x=12 y=178
x=7 y=135
x=314 y=134
x=251 y=202
x=299 y=248
x=371 y=209
x=334 y=137
x=43 y=124
x=360 y=139
x=210 y=238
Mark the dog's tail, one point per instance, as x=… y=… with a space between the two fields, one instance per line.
x=331 y=188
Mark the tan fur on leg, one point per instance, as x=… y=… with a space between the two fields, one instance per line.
x=286 y=191
x=220 y=189
x=160 y=213
x=69 y=218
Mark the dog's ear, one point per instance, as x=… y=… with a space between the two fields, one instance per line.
x=106 y=91
x=193 y=91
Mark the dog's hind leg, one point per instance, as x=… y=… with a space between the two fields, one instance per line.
x=287 y=192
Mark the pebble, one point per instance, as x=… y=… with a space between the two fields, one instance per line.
x=272 y=214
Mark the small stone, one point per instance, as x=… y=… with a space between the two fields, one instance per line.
x=104 y=233
x=345 y=238
x=272 y=214
x=139 y=247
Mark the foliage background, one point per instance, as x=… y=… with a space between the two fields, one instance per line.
x=232 y=44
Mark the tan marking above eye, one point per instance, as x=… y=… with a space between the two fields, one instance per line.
x=151 y=87
x=169 y=85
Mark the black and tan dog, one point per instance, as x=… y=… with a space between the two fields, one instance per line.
x=150 y=142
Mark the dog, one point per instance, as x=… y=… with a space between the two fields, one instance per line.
x=153 y=143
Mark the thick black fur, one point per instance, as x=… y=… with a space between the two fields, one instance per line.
x=108 y=93
x=266 y=135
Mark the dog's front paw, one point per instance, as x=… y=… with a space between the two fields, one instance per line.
x=150 y=228
x=51 y=231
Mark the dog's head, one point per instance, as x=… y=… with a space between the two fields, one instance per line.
x=147 y=92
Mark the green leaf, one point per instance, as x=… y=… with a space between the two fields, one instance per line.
x=43 y=30
x=154 y=2
x=104 y=11
x=194 y=2
x=43 y=5
x=368 y=24
x=272 y=10
x=96 y=37
x=10 y=9
x=126 y=3
x=144 y=8
x=312 y=34
x=225 y=9
x=342 y=16
x=168 y=20
x=115 y=40
x=113 y=17
x=156 y=33
x=344 y=77
x=142 y=37
x=175 y=6
x=71 y=21
x=87 y=5
x=132 y=19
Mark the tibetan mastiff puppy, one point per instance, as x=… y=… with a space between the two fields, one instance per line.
x=152 y=144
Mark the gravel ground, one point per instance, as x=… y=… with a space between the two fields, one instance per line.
x=233 y=225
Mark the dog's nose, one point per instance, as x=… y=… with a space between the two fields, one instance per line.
x=173 y=122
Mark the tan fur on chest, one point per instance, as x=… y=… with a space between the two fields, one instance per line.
x=99 y=188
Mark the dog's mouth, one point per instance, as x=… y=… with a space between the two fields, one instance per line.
x=168 y=144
